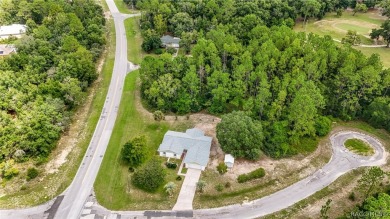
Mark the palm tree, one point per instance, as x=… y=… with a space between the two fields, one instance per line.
x=170 y=188
x=200 y=185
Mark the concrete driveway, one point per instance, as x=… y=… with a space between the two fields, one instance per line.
x=188 y=189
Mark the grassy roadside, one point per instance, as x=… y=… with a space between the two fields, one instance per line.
x=123 y=8
x=134 y=40
x=44 y=188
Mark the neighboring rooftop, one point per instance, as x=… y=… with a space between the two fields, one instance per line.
x=12 y=30
x=193 y=140
x=166 y=39
x=6 y=49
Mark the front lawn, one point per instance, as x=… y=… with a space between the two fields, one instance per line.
x=113 y=184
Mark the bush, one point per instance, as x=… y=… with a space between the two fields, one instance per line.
x=219 y=187
x=171 y=165
x=171 y=50
x=323 y=125
x=7 y=169
x=158 y=115
x=352 y=196
x=256 y=174
x=228 y=185
x=158 y=51
x=32 y=173
x=150 y=176
x=23 y=187
x=178 y=178
x=131 y=169
x=222 y=168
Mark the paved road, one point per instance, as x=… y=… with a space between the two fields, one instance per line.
x=77 y=193
x=342 y=161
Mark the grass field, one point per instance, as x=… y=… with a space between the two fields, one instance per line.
x=359 y=147
x=113 y=188
x=123 y=8
x=40 y=191
x=337 y=28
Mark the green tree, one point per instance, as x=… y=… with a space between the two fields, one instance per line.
x=351 y=38
x=181 y=22
x=150 y=176
x=151 y=41
x=134 y=151
x=309 y=8
x=379 y=205
x=370 y=180
x=304 y=110
x=360 y=7
x=378 y=113
x=240 y=135
x=323 y=125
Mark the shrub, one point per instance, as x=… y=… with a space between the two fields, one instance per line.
x=200 y=186
x=171 y=165
x=149 y=177
x=178 y=178
x=219 y=187
x=32 y=173
x=323 y=125
x=158 y=115
x=7 y=169
x=131 y=169
x=222 y=168
x=158 y=51
x=256 y=174
x=23 y=187
x=228 y=185
x=352 y=196
x=171 y=50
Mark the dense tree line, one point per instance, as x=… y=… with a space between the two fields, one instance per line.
x=48 y=77
x=289 y=81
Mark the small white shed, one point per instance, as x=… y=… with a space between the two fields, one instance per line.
x=229 y=160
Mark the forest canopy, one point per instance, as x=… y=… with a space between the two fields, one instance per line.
x=47 y=78
x=290 y=82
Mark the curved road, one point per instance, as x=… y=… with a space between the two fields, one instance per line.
x=71 y=203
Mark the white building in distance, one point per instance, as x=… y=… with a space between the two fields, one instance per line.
x=15 y=30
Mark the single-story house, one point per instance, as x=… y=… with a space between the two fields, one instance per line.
x=169 y=41
x=16 y=30
x=7 y=49
x=192 y=145
x=229 y=160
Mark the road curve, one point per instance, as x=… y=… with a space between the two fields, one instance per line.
x=76 y=194
x=342 y=161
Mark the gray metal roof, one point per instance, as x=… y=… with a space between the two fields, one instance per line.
x=166 y=39
x=193 y=140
